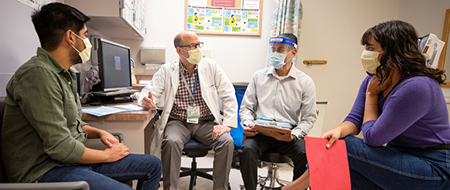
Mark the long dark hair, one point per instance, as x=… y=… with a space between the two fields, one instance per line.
x=399 y=41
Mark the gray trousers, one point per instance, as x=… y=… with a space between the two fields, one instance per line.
x=177 y=133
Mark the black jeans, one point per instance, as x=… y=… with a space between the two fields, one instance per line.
x=253 y=147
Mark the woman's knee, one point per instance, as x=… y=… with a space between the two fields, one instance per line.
x=353 y=143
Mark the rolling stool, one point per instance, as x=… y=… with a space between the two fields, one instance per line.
x=274 y=157
x=194 y=149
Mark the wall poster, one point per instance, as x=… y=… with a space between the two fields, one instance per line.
x=224 y=17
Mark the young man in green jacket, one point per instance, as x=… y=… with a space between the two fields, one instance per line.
x=43 y=134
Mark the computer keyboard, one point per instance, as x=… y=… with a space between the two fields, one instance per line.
x=115 y=93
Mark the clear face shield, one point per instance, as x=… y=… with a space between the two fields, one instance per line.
x=279 y=48
x=281 y=45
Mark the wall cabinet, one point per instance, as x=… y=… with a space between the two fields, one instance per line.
x=116 y=19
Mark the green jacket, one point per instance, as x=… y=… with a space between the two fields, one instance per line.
x=42 y=120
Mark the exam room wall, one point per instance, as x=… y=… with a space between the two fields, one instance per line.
x=18 y=40
x=238 y=56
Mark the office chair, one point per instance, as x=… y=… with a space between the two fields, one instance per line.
x=194 y=149
x=273 y=156
x=34 y=186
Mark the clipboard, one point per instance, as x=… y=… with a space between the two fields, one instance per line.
x=263 y=125
x=262 y=129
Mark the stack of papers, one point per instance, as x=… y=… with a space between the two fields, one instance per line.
x=264 y=125
x=107 y=110
x=273 y=123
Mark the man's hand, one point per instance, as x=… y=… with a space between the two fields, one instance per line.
x=220 y=130
x=280 y=136
x=249 y=131
x=116 y=152
x=108 y=139
x=147 y=101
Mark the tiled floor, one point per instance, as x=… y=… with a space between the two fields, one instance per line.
x=285 y=172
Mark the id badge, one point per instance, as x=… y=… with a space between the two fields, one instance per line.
x=193 y=113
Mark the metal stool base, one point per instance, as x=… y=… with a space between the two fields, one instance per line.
x=273 y=179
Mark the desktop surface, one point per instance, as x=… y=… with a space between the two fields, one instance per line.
x=142 y=115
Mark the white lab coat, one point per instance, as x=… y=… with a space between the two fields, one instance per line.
x=214 y=84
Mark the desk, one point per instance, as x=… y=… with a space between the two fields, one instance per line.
x=136 y=127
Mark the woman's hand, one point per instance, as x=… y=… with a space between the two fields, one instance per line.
x=332 y=136
x=374 y=87
x=344 y=129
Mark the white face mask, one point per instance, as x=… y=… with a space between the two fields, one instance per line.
x=369 y=60
x=85 y=55
x=195 y=56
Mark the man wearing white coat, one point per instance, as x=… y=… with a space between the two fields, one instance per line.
x=191 y=112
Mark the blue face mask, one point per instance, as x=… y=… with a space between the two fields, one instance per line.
x=277 y=59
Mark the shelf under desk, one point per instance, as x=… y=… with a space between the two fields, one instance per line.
x=136 y=127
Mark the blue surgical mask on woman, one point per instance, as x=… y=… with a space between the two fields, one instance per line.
x=277 y=59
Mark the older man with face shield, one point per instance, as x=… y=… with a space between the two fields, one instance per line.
x=279 y=92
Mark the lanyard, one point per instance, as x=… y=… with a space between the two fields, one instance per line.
x=186 y=84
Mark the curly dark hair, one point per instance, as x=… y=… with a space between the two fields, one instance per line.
x=399 y=41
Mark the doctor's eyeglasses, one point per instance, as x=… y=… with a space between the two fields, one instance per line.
x=193 y=46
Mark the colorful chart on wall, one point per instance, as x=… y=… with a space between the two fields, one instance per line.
x=224 y=17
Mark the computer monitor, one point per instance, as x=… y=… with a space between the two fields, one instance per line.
x=114 y=67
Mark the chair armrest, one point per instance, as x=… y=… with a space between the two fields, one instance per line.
x=48 y=186
x=119 y=136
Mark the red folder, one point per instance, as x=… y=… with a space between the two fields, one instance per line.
x=328 y=167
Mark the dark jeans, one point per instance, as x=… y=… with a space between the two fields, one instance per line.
x=396 y=167
x=253 y=147
x=144 y=168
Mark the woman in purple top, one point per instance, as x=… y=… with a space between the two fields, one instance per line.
x=399 y=105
